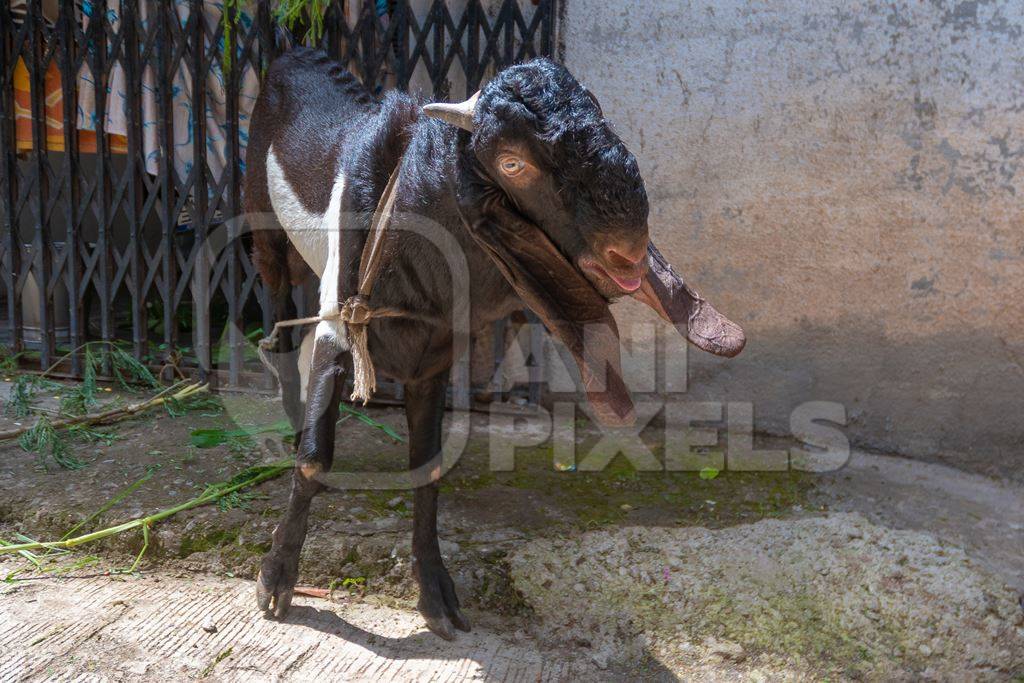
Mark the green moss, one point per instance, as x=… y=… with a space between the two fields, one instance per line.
x=496 y=592
x=257 y=548
x=462 y=481
x=804 y=626
x=208 y=540
x=595 y=499
x=812 y=627
x=377 y=503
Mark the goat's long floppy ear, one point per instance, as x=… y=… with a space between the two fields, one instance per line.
x=459 y=114
x=575 y=313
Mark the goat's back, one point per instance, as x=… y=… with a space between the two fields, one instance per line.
x=312 y=112
x=307 y=104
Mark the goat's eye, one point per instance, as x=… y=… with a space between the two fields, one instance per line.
x=511 y=166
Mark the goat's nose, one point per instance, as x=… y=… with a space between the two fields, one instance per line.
x=626 y=255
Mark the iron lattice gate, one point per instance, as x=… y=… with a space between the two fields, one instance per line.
x=109 y=194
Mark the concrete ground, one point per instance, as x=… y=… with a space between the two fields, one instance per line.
x=501 y=532
x=164 y=626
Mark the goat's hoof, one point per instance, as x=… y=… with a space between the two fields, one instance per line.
x=275 y=585
x=439 y=604
x=441 y=626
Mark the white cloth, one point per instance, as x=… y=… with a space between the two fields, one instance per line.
x=182 y=95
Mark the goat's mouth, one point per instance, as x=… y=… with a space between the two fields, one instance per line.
x=655 y=283
x=610 y=284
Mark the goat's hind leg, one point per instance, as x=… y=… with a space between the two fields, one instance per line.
x=273 y=258
x=287 y=361
x=280 y=567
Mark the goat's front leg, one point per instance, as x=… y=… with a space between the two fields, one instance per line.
x=280 y=568
x=424 y=410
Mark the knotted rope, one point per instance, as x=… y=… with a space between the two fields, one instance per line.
x=356 y=312
x=356 y=315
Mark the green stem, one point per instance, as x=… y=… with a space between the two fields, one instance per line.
x=24 y=553
x=145 y=546
x=74 y=351
x=272 y=471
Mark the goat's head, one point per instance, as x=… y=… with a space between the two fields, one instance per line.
x=541 y=155
x=544 y=150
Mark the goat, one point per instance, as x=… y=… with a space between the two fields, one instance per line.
x=543 y=199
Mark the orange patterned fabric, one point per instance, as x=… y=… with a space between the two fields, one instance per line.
x=54 y=104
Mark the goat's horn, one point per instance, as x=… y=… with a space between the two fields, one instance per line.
x=460 y=114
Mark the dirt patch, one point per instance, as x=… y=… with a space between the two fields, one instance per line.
x=358 y=537
x=833 y=596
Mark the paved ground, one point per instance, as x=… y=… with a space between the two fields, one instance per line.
x=152 y=628
x=149 y=627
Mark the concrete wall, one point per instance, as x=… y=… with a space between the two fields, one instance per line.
x=842 y=178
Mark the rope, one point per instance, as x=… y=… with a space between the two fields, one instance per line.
x=356 y=315
x=270 y=342
x=356 y=312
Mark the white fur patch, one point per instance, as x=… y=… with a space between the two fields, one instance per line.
x=329 y=296
x=304 y=228
x=317 y=238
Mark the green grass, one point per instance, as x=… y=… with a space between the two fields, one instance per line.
x=49 y=445
x=24 y=391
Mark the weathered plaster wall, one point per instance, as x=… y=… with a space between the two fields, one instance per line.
x=843 y=178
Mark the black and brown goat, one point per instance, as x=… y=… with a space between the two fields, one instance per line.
x=527 y=180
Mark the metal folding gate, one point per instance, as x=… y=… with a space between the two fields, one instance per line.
x=122 y=144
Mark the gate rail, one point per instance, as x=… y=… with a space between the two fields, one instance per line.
x=103 y=231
